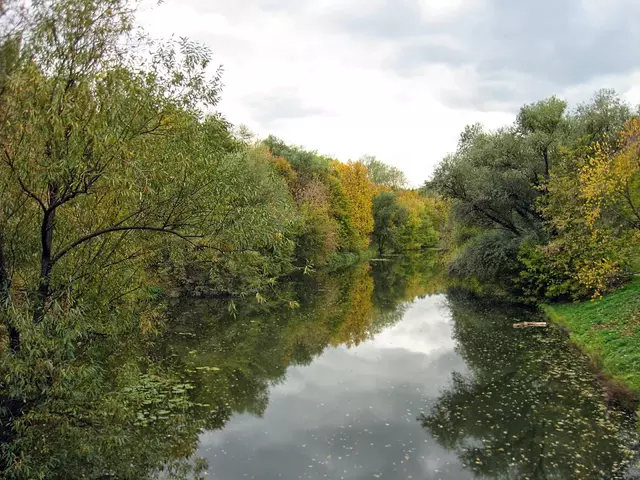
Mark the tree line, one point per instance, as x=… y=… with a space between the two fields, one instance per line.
x=121 y=185
x=546 y=208
x=118 y=180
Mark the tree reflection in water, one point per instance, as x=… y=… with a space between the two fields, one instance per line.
x=133 y=408
x=528 y=408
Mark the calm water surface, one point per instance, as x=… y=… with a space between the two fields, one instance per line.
x=378 y=375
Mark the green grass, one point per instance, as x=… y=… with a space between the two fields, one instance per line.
x=608 y=329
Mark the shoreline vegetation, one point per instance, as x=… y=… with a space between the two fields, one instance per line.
x=546 y=211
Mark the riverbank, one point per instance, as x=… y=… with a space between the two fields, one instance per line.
x=608 y=330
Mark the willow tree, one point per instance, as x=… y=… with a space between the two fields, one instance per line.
x=97 y=160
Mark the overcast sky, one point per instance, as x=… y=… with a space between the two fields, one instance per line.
x=400 y=79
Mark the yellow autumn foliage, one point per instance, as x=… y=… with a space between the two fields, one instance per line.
x=359 y=193
x=417 y=230
x=356 y=327
x=612 y=176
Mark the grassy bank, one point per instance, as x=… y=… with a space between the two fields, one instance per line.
x=607 y=329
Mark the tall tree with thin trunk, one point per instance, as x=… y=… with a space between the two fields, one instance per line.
x=96 y=152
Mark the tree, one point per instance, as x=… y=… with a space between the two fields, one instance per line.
x=359 y=198
x=587 y=219
x=334 y=199
x=492 y=179
x=542 y=123
x=526 y=199
x=308 y=163
x=600 y=119
x=388 y=216
x=93 y=142
x=255 y=226
x=496 y=178
x=382 y=174
x=612 y=176
x=417 y=231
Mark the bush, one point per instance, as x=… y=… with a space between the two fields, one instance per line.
x=545 y=275
x=490 y=257
x=573 y=268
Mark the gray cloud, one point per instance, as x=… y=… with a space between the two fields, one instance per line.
x=280 y=104
x=546 y=46
x=518 y=50
x=393 y=79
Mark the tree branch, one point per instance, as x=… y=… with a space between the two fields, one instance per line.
x=91 y=236
x=24 y=188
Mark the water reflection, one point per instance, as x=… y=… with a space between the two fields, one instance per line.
x=234 y=361
x=375 y=375
x=351 y=413
x=490 y=401
x=529 y=408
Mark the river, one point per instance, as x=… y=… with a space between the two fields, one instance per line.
x=380 y=372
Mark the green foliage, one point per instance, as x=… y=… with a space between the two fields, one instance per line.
x=588 y=251
x=404 y=221
x=308 y=163
x=489 y=257
x=384 y=175
x=105 y=154
x=389 y=217
x=573 y=267
x=253 y=241
x=600 y=119
x=492 y=180
x=334 y=201
x=417 y=230
x=544 y=275
x=551 y=181
x=120 y=186
x=318 y=236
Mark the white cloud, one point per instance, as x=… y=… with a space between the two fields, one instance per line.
x=292 y=71
x=364 y=107
x=426 y=328
x=436 y=10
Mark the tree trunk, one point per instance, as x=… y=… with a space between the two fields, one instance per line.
x=43 y=288
x=4 y=275
x=5 y=292
x=46 y=263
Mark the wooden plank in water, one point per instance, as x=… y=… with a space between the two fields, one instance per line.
x=530 y=324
